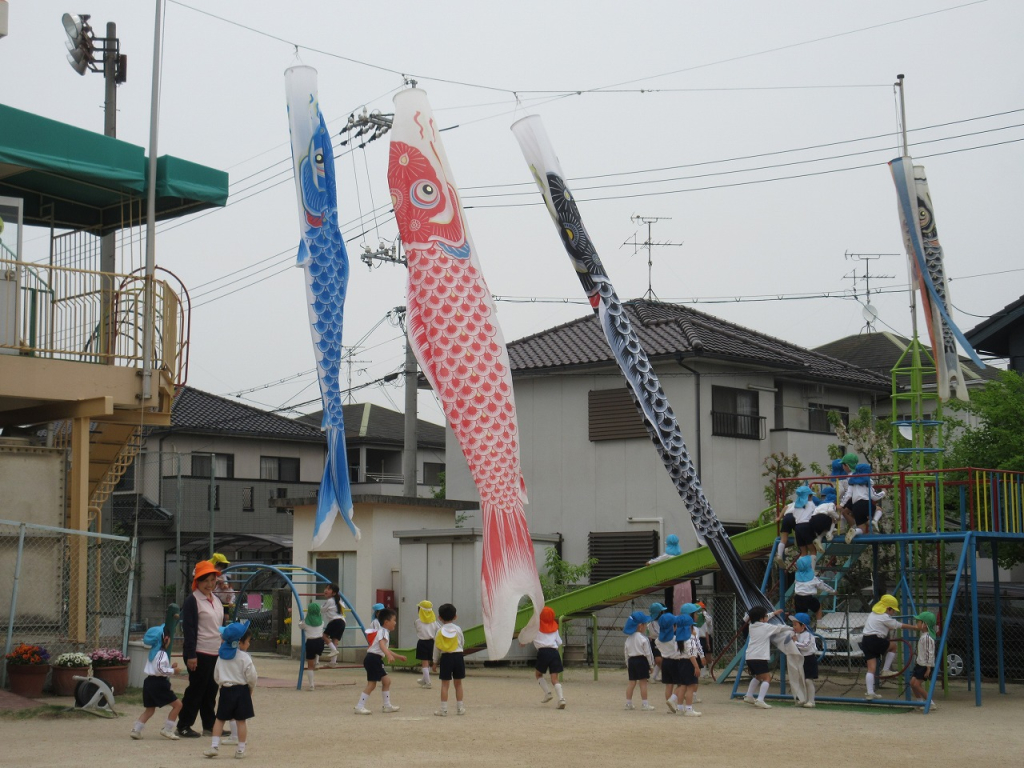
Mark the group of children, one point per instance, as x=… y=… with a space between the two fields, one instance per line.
x=812 y=519
x=235 y=674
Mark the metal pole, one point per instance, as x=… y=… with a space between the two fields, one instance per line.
x=14 y=601
x=128 y=601
x=409 y=449
x=177 y=535
x=903 y=115
x=108 y=264
x=148 y=341
x=213 y=491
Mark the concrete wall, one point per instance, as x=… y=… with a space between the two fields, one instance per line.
x=31 y=483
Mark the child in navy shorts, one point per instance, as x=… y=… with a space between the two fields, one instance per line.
x=925 y=655
x=426 y=627
x=548 y=661
x=236 y=676
x=809 y=650
x=449 y=656
x=156 y=690
x=639 y=659
x=313 y=626
x=373 y=663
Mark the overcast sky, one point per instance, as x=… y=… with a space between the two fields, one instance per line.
x=758 y=133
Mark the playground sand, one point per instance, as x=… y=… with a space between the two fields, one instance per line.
x=507 y=725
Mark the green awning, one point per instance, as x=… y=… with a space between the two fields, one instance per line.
x=77 y=179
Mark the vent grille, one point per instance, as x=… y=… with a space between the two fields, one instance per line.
x=619 y=552
x=613 y=416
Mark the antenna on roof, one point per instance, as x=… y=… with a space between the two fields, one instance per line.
x=649 y=245
x=869 y=313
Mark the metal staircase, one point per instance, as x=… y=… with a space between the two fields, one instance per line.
x=112 y=449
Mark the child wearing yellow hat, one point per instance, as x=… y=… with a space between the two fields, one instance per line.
x=426 y=627
x=448 y=652
x=925 y=655
x=876 y=642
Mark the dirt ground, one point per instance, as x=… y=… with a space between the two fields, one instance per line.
x=506 y=724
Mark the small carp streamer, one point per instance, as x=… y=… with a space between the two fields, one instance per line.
x=324 y=260
x=455 y=334
x=928 y=275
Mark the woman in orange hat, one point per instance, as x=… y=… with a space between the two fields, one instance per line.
x=202 y=615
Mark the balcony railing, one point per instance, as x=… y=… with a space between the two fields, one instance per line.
x=725 y=424
x=60 y=313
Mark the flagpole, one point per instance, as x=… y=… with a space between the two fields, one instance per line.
x=148 y=341
x=903 y=135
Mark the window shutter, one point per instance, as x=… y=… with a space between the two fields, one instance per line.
x=613 y=416
x=619 y=552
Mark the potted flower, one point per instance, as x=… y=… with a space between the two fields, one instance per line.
x=27 y=669
x=65 y=668
x=111 y=666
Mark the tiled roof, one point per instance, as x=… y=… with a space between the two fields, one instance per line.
x=198 y=411
x=123 y=506
x=369 y=423
x=671 y=330
x=992 y=335
x=879 y=352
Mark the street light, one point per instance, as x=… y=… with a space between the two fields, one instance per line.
x=82 y=45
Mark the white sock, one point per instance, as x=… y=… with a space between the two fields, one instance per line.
x=426 y=674
x=387 y=698
x=558 y=690
x=363 y=698
x=460 y=705
x=169 y=725
x=810 y=690
x=241 y=746
x=688 y=707
x=645 y=703
x=309 y=674
x=139 y=725
x=764 y=690
x=444 y=706
x=869 y=681
x=889 y=659
x=543 y=685
x=752 y=689
x=333 y=647
x=215 y=742
x=673 y=699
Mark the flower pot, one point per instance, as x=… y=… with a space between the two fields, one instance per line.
x=116 y=677
x=63 y=680
x=27 y=679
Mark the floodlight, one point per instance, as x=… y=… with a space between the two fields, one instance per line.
x=79 y=42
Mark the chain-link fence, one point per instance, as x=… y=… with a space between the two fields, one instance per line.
x=62 y=589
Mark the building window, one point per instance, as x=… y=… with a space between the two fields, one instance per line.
x=279 y=468
x=223 y=465
x=817 y=416
x=734 y=413
x=613 y=416
x=432 y=472
x=248 y=503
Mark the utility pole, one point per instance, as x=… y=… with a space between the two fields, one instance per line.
x=649 y=244
x=869 y=312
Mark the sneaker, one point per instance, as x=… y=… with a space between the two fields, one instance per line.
x=312 y=687
x=332 y=664
x=872 y=696
x=422 y=683
x=547 y=697
x=691 y=713
x=933 y=707
x=136 y=735
x=629 y=705
x=671 y=707
x=441 y=713
x=169 y=734
x=830 y=535
x=780 y=561
x=561 y=703
x=762 y=704
x=698 y=700
x=888 y=673
x=808 y=705
x=239 y=754
x=646 y=708
x=187 y=733
x=460 y=711
x=748 y=699
x=362 y=711
x=851 y=534
x=387 y=709
x=819 y=546
x=229 y=738
x=211 y=752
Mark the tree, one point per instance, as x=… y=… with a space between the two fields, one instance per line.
x=869 y=437
x=778 y=466
x=560 y=576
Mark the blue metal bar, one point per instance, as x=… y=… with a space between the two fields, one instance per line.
x=999 y=616
x=940 y=651
x=847 y=700
x=974 y=622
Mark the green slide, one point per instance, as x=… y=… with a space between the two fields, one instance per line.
x=643 y=581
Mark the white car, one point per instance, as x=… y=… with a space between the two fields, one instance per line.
x=837 y=640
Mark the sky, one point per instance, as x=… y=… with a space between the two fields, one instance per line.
x=756 y=135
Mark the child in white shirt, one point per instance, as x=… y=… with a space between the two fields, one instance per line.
x=334 y=622
x=807 y=587
x=426 y=627
x=809 y=650
x=546 y=642
x=876 y=643
x=313 y=625
x=825 y=517
x=236 y=675
x=639 y=659
x=925 y=655
x=860 y=497
x=449 y=658
x=796 y=519
x=156 y=690
x=689 y=662
x=373 y=663
x=759 y=651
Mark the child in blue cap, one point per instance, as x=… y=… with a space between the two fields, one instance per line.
x=859 y=498
x=655 y=612
x=688 y=674
x=807 y=587
x=669 y=650
x=825 y=517
x=236 y=675
x=639 y=659
x=156 y=690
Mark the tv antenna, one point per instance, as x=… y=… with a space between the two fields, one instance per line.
x=346 y=357
x=868 y=312
x=649 y=244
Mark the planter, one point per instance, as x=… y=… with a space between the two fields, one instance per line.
x=116 y=677
x=27 y=679
x=63 y=680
